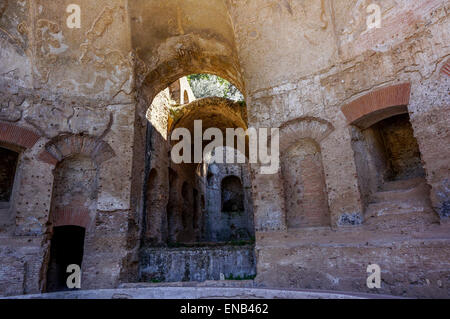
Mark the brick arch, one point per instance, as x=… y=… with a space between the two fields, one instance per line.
x=446 y=68
x=68 y=145
x=17 y=135
x=378 y=105
x=71 y=216
x=304 y=127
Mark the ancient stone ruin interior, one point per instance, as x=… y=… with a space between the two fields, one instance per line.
x=92 y=91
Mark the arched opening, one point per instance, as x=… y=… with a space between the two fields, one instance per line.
x=195 y=199
x=228 y=211
x=397 y=150
x=304 y=186
x=210 y=178
x=168 y=113
x=389 y=166
x=234 y=219
x=8 y=164
x=67 y=248
x=73 y=209
x=209 y=85
x=232 y=195
x=203 y=48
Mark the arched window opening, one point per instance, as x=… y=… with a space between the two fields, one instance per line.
x=8 y=164
x=388 y=159
x=232 y=221
x=208 y=85
x=210 y=178
x=193 y=209
x=67 y=248
x=232 y=195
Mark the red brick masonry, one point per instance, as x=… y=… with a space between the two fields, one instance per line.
x=396 y=95
x=67 y=145
x=16 y=135
x=446 y=68
x=70 y=216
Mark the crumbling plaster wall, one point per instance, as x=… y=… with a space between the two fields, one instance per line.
x=336 y=60
x=59 y=81
x=175 y=39
x=333 y=71
x=197 y=263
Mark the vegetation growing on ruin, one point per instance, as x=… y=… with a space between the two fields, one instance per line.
x=245 y=277
x=207 y=85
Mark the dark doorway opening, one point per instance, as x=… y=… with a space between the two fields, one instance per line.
x=400 y=147
x=67 y=248
x=232 y=195
x=8 y=163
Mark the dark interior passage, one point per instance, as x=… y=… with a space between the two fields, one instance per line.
x=8 y=163
x=401 y=148
x=232 y=194
x=67 y=247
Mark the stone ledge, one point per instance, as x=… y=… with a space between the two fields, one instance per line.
x=202 y=293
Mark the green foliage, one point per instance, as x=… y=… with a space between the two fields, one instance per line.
x=156 y=281
x=242 y=104
x=207 y=85
x=175 y=112
x=246 y=277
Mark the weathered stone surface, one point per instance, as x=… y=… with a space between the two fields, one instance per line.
x=90 y=112
x=197 y=264
x=200 y=293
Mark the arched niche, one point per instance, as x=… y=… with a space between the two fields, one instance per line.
x=305 y=192
x=73 y=211
x=302 y=172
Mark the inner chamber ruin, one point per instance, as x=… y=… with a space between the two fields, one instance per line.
x=199 y=216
